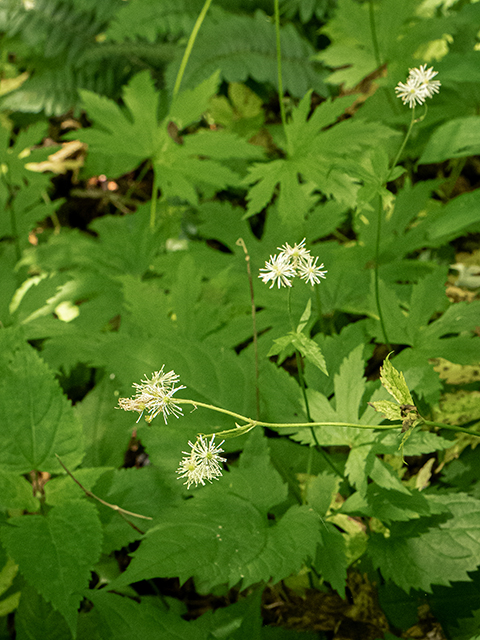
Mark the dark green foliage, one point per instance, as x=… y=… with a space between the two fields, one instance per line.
x=84 y=315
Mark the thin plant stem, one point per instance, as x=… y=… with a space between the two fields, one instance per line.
x=373 y=30
x=306 y=425
x=305 y=399
x=376 y=277
x=189 y=47
x=122 y=512
x=153 y=201
x=279 y=425
x=379 y=233
x=452 y=427
x=376 y=49
x=176 y=88
x=141 y=176
x=240 y=242
x=400 y=151
x=298 y=360
x=279 y=68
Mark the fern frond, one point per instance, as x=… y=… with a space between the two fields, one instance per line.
x=243 y=47
x=63 y=56
x=149 y=19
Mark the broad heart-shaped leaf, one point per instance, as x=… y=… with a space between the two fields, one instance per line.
x=38 y=420
x=223 y=535
x=440 y=555
x=56 y=553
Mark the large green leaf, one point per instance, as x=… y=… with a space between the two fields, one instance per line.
x=38 y=420
x=440 y=555
x=56 y=553
x=229 y=523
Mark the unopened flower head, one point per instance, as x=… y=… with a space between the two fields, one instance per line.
x=419 y=86
x=291 y=262
x=155 y=396
x=201 y=463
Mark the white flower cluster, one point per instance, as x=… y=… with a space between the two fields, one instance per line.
x=155 y=396
x=291 y=262
x=202 y=463
x=418 y=87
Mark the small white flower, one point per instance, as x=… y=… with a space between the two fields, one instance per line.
x=155 y=396
x=423 y=77
x=296 y=253
x=202 y=463
x=410 y=92
x=278 y=270
x=189 y=469
x=308 y=271
x=419 y=86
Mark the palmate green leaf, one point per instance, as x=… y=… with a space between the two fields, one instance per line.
x=122 y=139
x=349 y=388
x=38 y=420
x=319 y=158
x=222 y=536
x=440 y=555
x=23 y=192
x=56 y=553
x=399 y=33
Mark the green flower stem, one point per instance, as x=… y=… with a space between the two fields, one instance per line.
x=153 y=201
x=373 y=29
x=279 y=425
x=251 y=424
x=452 y=427
x=377 y=279
x=400 y=151
x=279 y=68
x=305 y=397
x=379 y=233
x=191 y=42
